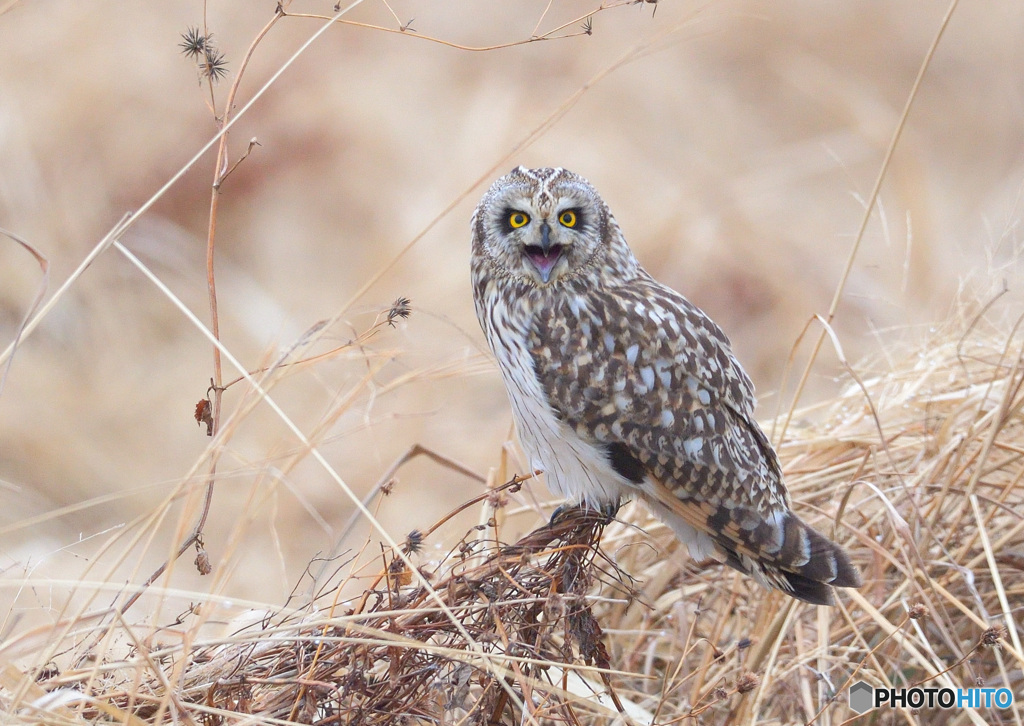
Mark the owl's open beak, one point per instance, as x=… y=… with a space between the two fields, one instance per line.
x=545 y=255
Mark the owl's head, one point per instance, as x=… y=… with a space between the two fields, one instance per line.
x=542 y=226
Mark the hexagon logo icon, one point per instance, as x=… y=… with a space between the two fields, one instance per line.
x=862 y=696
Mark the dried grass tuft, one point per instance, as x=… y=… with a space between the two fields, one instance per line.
x=916 y=468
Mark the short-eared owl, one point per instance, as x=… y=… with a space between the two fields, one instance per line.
x=621 y=386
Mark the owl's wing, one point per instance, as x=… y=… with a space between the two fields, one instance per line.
x=638 y=366
x=641 y=371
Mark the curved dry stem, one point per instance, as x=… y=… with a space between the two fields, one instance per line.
x=869 y=208
x=548 y=35
x=44 y=282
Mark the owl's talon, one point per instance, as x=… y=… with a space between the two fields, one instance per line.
x=560 y=513
x=608 y=510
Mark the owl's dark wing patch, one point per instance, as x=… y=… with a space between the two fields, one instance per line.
x=624 y=463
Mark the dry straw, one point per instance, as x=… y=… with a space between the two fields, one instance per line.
x=916 y=469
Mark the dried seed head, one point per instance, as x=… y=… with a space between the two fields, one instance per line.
x=413 y=542
x=193 y=43
x=990 y=637
x=720 y=694
x=400 y=308
x=213 y=65
x=747 y=682
x=497 y=499
x=918 y=610
x=203 y=563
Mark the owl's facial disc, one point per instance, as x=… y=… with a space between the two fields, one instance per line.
x=542 y=241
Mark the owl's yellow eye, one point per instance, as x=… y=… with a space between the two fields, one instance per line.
x=567 y=218
x=518 y=219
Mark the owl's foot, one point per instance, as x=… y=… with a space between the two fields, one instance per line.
x=562 y=511
x=608 y=510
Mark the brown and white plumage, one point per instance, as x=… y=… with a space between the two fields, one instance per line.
x=620 y=386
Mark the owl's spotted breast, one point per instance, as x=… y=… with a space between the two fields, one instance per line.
x=574 y=468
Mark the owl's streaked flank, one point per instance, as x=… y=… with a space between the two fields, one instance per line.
x=620 y=386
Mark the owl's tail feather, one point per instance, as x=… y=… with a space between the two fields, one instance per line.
x=807 y=565
x=776 y=548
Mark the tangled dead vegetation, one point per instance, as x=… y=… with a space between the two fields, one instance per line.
x=393 y=653
x=916 y=468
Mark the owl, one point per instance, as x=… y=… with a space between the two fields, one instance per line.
x=621 y=387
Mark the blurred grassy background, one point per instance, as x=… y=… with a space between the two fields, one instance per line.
x=736 y=150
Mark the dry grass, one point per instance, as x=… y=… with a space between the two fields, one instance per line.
x=916 y=466
x=918 y=470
